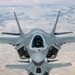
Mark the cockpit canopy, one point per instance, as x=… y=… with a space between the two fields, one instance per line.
x=37 y=42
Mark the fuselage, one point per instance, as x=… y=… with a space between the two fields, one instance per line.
x=37 y=40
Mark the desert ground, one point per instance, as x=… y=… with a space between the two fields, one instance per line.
x=44 y=18
x=8 y=55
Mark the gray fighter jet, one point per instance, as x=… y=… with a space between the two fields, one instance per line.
x=38 y=47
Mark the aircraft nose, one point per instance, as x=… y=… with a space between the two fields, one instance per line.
x=38 y=58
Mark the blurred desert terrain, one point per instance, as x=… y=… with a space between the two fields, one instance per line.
x=42 y=17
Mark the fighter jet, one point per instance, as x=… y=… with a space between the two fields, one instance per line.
x=39 y=47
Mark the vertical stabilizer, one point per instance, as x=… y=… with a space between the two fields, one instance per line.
x=53 y=31
x=20 y=30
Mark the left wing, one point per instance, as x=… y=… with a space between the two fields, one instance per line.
x=63 y=40
x=8 y=40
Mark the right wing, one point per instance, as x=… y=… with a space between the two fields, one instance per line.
x=8 y=40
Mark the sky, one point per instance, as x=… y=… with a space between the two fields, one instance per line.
x=18 y=2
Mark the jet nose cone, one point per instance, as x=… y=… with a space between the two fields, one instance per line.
x=38 y=58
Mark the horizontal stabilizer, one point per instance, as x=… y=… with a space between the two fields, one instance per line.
x=23 y=61
x=25 y=66
x=63 y=33
x=58 y=65
x=11 y=33
x=52 y=60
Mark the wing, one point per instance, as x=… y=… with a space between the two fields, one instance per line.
x=63 y=40
x=8 y=40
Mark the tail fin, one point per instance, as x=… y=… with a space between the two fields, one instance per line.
x=20 y=30
x=53 y=31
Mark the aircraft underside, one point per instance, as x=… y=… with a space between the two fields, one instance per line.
x=52 y=53
x=38 y=71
